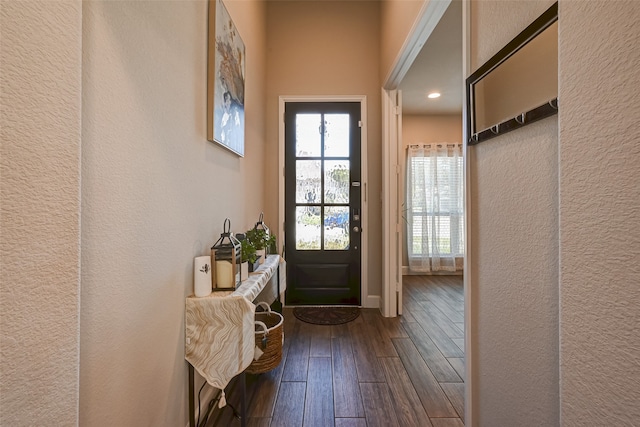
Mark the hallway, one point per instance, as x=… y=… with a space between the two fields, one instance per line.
x=373 y=371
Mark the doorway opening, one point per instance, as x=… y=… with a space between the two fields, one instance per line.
x=438 y=46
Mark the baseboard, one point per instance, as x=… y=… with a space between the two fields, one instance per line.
x=407 y=272
x=371 y=301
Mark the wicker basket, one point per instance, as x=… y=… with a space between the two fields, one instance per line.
x=269 y=338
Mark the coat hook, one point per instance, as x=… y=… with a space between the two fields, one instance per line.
x=554 y=103
x=521 y=118
x=495 y=129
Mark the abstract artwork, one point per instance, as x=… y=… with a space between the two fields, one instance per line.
x=225 y=86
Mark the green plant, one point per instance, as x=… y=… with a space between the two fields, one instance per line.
x=270 y=244
x=248 y=251
x=258 y=237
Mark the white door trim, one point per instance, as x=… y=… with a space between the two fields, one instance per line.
x=366 y=300
x=467 y=285
x=391 y=233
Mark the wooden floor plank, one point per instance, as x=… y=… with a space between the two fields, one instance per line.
x=459 y=342
x=289 y=405
x=351 y=422
x=378 y=334
x=367 y=365
x=449 y=309
x=447 y=422
x=458 y=365
x=455 y=393
x=346 y=391
x=406 y=402
x=318 y=406
x=440 y=319
x=320 y=345
x=391 y=326
x=348 y=375
x=433 y=399
x=437 y=335
x=340 y=331
x=439 y=365
x=378 y=407
x=297 y=360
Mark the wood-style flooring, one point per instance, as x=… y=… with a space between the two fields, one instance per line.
x=373 y=371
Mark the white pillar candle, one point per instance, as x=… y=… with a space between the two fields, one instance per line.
x=224 y=274
x=202 y=276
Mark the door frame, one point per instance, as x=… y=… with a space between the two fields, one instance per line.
x=366 y=300
x=428 y=17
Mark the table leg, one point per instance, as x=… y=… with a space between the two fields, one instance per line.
x=243 y=391
x=192 y=405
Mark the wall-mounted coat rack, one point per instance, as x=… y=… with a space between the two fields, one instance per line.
x=518 y=85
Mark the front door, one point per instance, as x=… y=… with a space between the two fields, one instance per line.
x=322 y=203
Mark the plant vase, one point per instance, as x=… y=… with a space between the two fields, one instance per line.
x=261 y=255
x=253 y=266
x=244 y=271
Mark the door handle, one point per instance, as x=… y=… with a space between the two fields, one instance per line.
x=356 y=229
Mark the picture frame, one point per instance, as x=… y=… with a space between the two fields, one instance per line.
x=225 y=80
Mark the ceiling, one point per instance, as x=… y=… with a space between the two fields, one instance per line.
x=437 y=68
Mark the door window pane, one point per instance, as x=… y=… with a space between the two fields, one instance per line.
x=336 y=181
x=308 y=181
x=308 y=128
x=336 y=228
x=336 y=135
x=307 y=228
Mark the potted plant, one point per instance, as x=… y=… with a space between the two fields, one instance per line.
x=258 y=237
x=249 y=256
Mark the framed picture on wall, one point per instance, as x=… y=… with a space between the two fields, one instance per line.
x=225 y=80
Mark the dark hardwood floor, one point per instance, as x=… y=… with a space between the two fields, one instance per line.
x=373 y=371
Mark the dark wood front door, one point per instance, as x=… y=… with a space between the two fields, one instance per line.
x=322 y=202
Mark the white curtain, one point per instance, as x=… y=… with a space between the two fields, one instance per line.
x=434 y=207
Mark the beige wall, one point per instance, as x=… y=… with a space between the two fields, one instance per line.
x=155 y=194
x=326 y=48
x=418 y=129
x=40 y=203
x=599 y=213
x=513 y=249
x=397 y=18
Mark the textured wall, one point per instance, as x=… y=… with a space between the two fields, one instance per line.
x=514 y=251
x=40 y=203
x=155 y=194
x=319 y=61
x=600 y=213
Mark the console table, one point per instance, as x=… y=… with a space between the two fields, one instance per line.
x=220 y=331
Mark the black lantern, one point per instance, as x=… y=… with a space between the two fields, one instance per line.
x=226 y=256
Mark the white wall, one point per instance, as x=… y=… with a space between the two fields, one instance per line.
x=155 y=194
x=514 y=251
x=40 y=203
x=599 y=213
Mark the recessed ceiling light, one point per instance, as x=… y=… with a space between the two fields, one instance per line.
x=433 y=95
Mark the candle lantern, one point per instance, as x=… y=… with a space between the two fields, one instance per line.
x=228 y=256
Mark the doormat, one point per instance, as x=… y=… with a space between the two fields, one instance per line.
x=326 y=315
